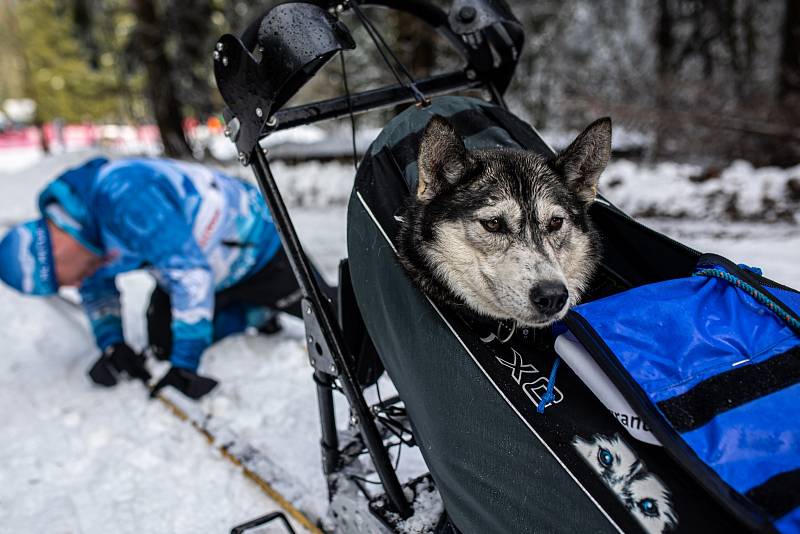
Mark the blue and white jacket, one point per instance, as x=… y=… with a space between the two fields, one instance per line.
x=198 y=231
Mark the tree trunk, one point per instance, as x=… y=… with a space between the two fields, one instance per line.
x=190 y=23
x=665 y=46
x=789 y=77
x=150 y=36
x=789 y=82
x=43 y=144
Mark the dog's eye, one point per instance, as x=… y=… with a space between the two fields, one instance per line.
x=605 y=458
x=555 y=224
x=649 y=507
x=494 y=225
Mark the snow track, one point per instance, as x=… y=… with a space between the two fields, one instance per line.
x=242 y=461
x=78 y=458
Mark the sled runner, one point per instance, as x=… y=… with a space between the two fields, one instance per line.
x=514 y=441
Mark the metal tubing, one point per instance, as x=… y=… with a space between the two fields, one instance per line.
x=497 y=96
x=327 y=421
x=331 y=331
x=250 y=525
x=369 y=100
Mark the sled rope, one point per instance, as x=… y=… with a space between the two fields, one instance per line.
x=265 y=486
x=760 y=297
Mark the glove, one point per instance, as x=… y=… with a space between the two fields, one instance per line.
x=159 y=353
x=271 y=326
x=103 y=372
x=115 y=360
x=187 y=382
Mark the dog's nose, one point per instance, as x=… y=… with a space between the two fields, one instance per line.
x=549 y=297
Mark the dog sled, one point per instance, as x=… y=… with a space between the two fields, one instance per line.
x=673 y=409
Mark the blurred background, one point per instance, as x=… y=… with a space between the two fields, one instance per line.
x=704 y=94
x=690 y=80
x=696 y=84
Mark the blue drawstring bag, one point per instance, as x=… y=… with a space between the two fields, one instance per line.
x=712 y=364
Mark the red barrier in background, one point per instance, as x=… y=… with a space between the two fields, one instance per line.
x=76 y=136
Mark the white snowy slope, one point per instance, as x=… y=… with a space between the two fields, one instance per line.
x=738 y=192
x=79 y=459
x=774 y=248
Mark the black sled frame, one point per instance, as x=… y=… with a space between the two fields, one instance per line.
x=258 y=73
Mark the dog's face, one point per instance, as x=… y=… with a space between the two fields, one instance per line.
x=642 y=493
x=610 y=457
x=504 y=231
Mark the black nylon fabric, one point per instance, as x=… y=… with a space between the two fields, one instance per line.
x=493 y=475
x=711 y=397
x=779 y=495
x=499 y=470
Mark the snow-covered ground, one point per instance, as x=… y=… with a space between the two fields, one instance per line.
x=80 y=459
x=738 y=192
x=775 y=248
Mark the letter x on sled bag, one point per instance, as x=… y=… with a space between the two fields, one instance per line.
x=712 y=364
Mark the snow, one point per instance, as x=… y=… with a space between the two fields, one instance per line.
x=23 y=158
x=78 y=458
x=679 y=190
x=21 y=186
x=301 y=143
x=623 y=139
x=774 y=248
x=267 y=399
x=428 y=508
x=222 y=148
x=315 y=184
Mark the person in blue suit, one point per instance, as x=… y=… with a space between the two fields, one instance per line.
x=207 y=238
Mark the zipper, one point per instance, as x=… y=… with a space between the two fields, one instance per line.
x=237 y=244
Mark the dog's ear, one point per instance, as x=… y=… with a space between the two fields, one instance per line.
x=582 y=162
x=442 y=159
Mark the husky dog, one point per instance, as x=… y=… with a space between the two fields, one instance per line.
x=642 y=493
x=502 y=231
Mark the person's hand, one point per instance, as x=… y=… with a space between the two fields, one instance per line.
x=115 y=360
x=187 y=382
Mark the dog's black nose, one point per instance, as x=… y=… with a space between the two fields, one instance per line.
x=549 y=297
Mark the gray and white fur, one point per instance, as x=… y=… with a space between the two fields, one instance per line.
x=504 y=232
x=642 y=493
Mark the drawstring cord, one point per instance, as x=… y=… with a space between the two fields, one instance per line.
x=760 y=297
x=549 y=396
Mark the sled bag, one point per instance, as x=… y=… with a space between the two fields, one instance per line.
x=712 y=363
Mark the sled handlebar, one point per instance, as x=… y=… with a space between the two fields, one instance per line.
x=370 y=100
x=284 y=48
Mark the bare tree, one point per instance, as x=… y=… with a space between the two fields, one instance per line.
x=789 y=77
x=189 y=25
x=150 y=43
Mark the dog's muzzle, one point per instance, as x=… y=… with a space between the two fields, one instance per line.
x=549 y=298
